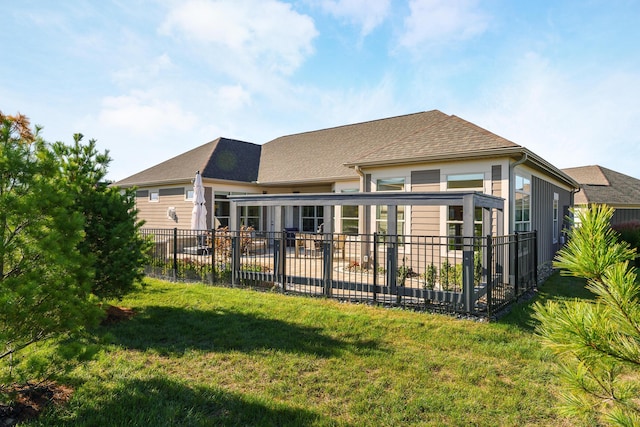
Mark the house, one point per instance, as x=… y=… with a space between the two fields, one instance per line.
x=599 y=185
x=422 y=152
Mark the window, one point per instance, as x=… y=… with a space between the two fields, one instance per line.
x=455 y=228
x=154 y=196
x=188 y=194
x=350 y=217
x=391 y=184
x=249 y=215
x=522 y=204
x=555 y=217
x=466 y=180
x=221 y=209
x=455 y=214
x=312 y=218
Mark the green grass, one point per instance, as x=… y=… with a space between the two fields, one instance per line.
x=197 y=355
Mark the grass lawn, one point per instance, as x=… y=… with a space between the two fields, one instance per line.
x=197 y=355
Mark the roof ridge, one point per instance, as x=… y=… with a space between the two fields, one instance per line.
x=356 y=124
x=422 y=129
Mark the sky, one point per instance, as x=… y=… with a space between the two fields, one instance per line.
x=151 y=79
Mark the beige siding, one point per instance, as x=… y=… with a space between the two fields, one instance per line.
x=425 y=220
x=155 y=213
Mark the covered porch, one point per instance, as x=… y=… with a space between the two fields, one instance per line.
x=456 y=270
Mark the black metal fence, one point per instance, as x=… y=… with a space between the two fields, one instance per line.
x=479 y=275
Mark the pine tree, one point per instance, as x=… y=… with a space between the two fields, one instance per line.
x=45 y=291
x=598 y=342
x=114 y=248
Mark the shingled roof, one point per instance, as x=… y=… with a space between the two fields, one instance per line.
x=222 y=158
x=605 y=186
x=330 y=154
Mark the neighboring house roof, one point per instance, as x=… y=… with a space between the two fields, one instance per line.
x=222 y=158
x=605 y=186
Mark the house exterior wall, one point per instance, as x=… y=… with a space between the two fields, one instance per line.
x=543 y=193
x=622 y=215
x=425 y=220
x=154 y=213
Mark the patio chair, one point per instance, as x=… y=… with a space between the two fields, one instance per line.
x=339 y=244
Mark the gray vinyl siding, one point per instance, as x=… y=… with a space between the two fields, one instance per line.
x=625 y=215
x=542 y=194
x=175 y=191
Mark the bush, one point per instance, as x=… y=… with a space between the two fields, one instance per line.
x=630 y=232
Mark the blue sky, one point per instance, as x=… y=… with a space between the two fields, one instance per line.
x=151 y=79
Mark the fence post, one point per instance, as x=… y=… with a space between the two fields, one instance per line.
x=283 y=260
x=327 y=259
x=212 y=233
x=516 y=262
x=375 y=266
x=392 y=265
x=235 y=258
x=489 y=272
x=175 y=254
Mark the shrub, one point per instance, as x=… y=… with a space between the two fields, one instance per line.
x=630 y=232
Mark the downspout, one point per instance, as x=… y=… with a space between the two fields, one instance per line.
x=358 y=170
x=512 y=189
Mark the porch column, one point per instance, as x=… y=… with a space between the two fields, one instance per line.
x=279 y=245
x=468 y=214
x=234 y=216
x=392 y=247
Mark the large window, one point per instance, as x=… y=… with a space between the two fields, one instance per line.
x=391 y=184
x=455 y=228
x=455 y=214
x=465 y=181
x=249 y=215
x=312 y=218
x=522 y=204
x=349 y=216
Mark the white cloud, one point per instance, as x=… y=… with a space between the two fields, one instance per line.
x=233 y=97
x=144 y=71
x=367 y=14
x=439 y=21
x=264 y=33
x=142 y=114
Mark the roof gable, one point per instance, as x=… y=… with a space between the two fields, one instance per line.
x=222 y=158
x=605 y=186
x=447 y=137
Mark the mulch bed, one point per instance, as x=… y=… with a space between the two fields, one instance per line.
x=31 y=399
x=117 y=314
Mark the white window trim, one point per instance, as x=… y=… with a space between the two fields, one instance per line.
x=444 y=210
x=157 y=199
x=516 y=191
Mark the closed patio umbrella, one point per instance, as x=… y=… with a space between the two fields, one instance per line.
x=199 y=212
